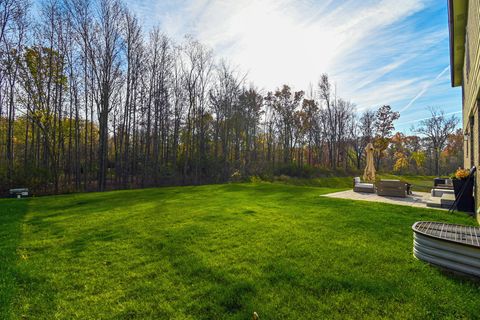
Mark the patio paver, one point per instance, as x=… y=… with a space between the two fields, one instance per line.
x=417 y=199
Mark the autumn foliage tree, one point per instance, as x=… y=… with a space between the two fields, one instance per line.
x=384 y=127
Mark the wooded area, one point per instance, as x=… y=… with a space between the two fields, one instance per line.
x=89 y=100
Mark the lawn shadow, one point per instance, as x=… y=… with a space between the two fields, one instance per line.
x=11 y=216
x=24 y=290
x=219 y=292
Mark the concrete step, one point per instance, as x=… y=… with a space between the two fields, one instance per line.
x=434 y=203
x=446 y=201
x=447 y=204
x=440 y=192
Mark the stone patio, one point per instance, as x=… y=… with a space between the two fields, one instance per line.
x=417 y=199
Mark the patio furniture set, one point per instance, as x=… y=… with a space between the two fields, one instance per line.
x=384 y=187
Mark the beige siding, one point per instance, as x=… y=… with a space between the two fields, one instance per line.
x=471 y=82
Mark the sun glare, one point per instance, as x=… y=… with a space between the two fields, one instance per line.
x=274 y=45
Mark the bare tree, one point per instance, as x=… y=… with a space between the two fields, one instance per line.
x=335 y=117
x=362 y=132
x=13 y=33
x=197 y=68
x=224 y=99
x=104 y=50
x=437 y=129
x=250 y=103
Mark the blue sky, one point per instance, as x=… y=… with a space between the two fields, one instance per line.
x=375 y=51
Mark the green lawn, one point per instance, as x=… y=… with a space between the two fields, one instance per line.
x=220 y=251
x=419 y=183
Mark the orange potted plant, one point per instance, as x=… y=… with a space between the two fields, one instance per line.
x=463 y=189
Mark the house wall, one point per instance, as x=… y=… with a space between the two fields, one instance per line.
x=471 y=90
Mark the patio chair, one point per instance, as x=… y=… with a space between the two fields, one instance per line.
x=359 y=186
x=392 y=188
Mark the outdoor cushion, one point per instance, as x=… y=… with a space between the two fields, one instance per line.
x=364 y=185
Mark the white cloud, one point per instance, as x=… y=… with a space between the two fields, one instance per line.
x=369 y=48
x=286 y=41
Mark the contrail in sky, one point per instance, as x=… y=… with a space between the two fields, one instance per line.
x=424 y=89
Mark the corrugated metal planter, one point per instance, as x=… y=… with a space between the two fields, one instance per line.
x=450 y=246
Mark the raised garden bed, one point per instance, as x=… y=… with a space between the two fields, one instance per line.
x=451 y=246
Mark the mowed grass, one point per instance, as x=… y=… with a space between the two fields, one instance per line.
x=419 y=183
x=221 y=252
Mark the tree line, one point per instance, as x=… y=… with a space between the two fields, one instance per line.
x=90 y=101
